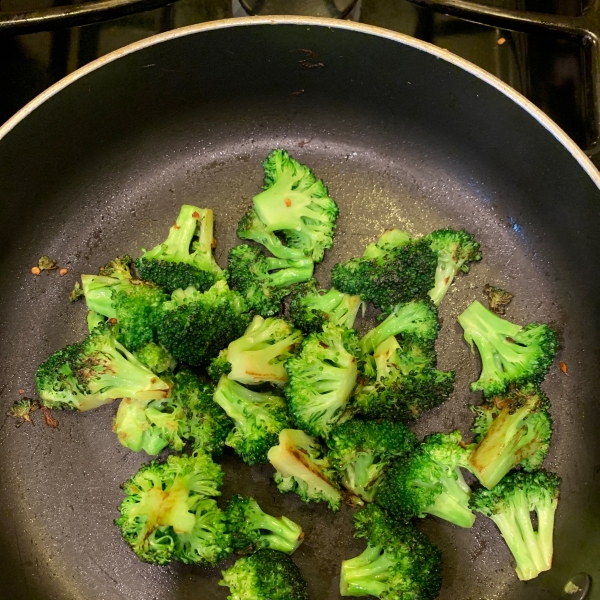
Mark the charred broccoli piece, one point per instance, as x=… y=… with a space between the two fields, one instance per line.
x=265 y=281
x=252 y=529
x=498 y=299
x=195 y=326
x=510 y=505
x=454 y=250
x=259 y=355
x=258 y=418
x=296 y=204
x=362 y=451
x=311 y=308
x=430 y=481
x=22 y=409
x=322 y=377
x=169 y=514
x=185 y=258
x=266 y=575
x=399 y=562
x=512 y=429
x=396 y=269
x=252 y=228
x=303 y=467
x=119 y=267
x=510 y=354
x=96 y=371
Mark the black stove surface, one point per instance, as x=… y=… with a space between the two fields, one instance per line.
x=549 y=71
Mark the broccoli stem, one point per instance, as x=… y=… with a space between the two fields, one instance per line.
x=176 y=247
x=365 y=574
x=545 y=533
x=444 y=276
x=360 y=473
x=205 y=237
x=453 y=503
x=98 y=290
x=290 y=271
x=284 y=536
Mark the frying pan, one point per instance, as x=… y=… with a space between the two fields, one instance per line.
x=405 y=135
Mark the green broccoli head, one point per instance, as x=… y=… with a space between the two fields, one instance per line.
x=510 y=505
x=296 y=204
x=195 y=326
x=510 y=354
x=259 y=355
x=252 y=529
x=311 y=309
x=264 y=281
x=258 y=418
x=156 y=357
x=400 y=382
x=454 y=250
x=168 y=513
x=252 y=228
x=94 y=372
x=266 y=575
x=512 y=429
x=429 y=481
x=399 y=562
x=185 y=258
x=361 y=451
x=322 y=377
x=498 y=299
x=219 y=366
x=303 y=467
x=389 y=274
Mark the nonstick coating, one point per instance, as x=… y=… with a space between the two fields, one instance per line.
x=403 y=138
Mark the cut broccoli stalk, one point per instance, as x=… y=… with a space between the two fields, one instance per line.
x=252 y=228
x=96 y=371
x=259 y=355
x=454 y=249
x=310 y=309
x=510 y=505
x=252 y=529
x=513 y=429
x=297 y=204
x=258 y=418
x=185 y=258
x=509 y=353
x=303 y=467
x=399 y=561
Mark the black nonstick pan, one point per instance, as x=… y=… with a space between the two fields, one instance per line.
x=405 y=135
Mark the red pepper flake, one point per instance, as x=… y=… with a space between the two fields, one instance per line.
x=63 y=272
x=21 y=391
x=175 y=226
x=501 y=41
x=35 y=270
x=112 y=321
x=288 y=202
x=563 y=367
x=50 y=420
x=195 y=215
x=298 y=92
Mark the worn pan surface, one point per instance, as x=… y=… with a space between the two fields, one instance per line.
x=406 y=136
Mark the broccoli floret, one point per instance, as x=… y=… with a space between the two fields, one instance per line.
x=322 y=377
x=252 y=228
x=510 y=504
x=252 y=529
x=389 y=272
x=185 y=258
x=512 y=429
x=120 y=268
x=510 y=354
x=134 y=304
x=195 y=326
x=498 y=299
x=156 y=357
x=168 y=513
x=454 y=250
x=303 y=467
x=399 y=562
x=399 y=382
x=361 y=451
x=94 y=372
x=265 y=281
x=266 y=575
x=22 y=409
x=207 y=424
x=311 y=308
x=430 y=481
x=259 y=355
x=258 y=419
x=297 y=204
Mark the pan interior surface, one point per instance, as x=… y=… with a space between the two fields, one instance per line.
x=403 y=139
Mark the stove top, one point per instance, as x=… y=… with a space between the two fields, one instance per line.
x=552 y=71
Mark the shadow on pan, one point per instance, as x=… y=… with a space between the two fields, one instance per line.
x=403 y=139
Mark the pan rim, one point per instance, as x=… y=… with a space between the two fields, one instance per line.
x=546 y=122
